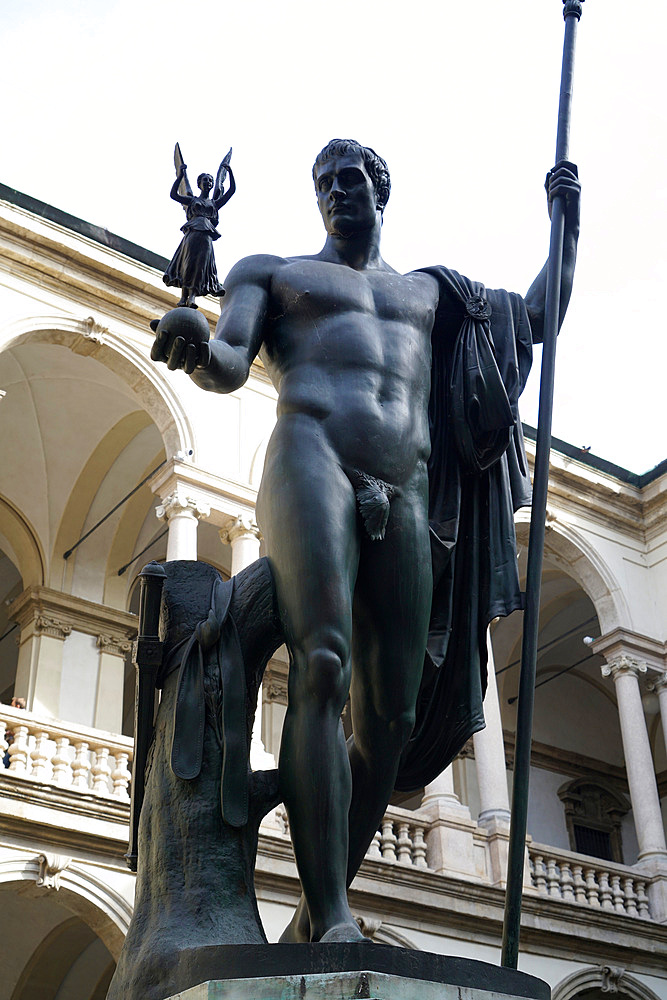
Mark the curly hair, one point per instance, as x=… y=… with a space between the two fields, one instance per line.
x=376 y=167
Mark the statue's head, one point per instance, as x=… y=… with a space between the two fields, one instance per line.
x=375 y=166
x=205 y=182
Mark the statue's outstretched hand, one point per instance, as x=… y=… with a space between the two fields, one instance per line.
x=563 y=182
x=182 y=340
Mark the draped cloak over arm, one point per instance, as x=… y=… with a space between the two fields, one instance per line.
x=478 y=478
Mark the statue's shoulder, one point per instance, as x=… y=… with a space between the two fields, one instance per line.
x=259 y=268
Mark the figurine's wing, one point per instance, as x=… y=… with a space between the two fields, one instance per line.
x=221 y=175
x=184 y=188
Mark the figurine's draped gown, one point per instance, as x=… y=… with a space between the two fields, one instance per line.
x=193 y=264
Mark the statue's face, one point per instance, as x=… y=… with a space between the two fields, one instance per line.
x=206 y=183
x=345 y=195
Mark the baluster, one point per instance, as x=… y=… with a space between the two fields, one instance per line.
x=591 y=887
x=374 y=848
x=566 y=882
x=62 y=768
x=3 y=743
x=19 y=751
x=579 y=884
x=388 y=840
x=404 y=845
x=40 y=756
x=605 y=891
x=539 y=873
x=419 y=847
x=101 y=771
x=553 y=885
x=121 y=777
x=642 y=901
x=617 y=894
x=630 y=897
x=81 y=766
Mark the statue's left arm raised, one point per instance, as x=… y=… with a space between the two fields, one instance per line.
x=223 y=364
x=563 y=182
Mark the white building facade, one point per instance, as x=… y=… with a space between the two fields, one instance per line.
x=110 y=461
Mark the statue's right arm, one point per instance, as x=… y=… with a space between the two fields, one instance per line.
x=240 y=329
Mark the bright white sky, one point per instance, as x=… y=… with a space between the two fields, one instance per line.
x=460 y=99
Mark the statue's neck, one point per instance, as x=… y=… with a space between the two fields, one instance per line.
x=361 y=251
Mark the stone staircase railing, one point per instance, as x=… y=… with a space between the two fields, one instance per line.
x=66 y=755
x=602 y=885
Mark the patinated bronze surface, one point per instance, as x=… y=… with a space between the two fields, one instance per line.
x=192 y=268
x=386 y=504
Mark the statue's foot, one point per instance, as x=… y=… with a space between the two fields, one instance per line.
x=343 y=933
x=298 y=929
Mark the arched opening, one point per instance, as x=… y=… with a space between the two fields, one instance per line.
x=48 y=952
x=576 y=729
x=90 y=425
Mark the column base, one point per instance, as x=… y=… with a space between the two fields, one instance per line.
x=353 y=971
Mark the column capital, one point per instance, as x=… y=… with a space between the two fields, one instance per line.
x=619 y=666
x=241 y=526
x=179 y=502
x=116 y=644
x=46 y=625
x=659 y=684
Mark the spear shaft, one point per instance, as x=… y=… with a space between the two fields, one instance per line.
x=512 y=924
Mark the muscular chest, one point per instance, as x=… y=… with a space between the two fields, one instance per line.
x=316 y=290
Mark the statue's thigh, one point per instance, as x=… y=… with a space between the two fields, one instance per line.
x=392 y=607
x=309 y=522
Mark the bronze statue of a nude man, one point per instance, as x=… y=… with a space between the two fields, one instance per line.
x=343 y=504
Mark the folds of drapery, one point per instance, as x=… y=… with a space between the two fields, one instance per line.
x=478 y=477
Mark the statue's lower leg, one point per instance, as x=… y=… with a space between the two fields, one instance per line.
x=316 y=784
x=371 y=791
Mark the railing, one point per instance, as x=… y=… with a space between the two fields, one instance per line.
x=55 y=753
x=401 y=838
x=601 y=885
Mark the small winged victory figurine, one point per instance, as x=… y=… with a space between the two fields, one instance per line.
x=192 y=268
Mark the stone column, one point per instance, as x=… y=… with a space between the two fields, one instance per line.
x=450 y=840
x=182 y=514
x=242 y=533
x=40 y=662
x=110 y=682
x=660 y=688
x=494 y=814
x=625 y=672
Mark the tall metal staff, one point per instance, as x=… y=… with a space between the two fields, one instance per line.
x=511 y=928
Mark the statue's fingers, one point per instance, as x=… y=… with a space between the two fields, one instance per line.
x=204 y=355
x=176 y=354
x=190 y=362
x=158 y=352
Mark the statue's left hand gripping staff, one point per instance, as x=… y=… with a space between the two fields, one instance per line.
x=147 y=655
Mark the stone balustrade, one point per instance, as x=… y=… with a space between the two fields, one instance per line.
x=66 y=755
x=601 y=885
x=401 y=838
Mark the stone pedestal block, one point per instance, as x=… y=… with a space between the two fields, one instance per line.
x=359 y=971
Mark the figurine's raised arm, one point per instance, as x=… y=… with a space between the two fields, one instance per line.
x=225 y=168
x=174 y=193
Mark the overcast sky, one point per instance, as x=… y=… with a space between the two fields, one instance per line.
x=460 y=99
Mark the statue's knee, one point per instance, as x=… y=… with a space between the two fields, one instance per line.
x=400 y=728
x=326 y=677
